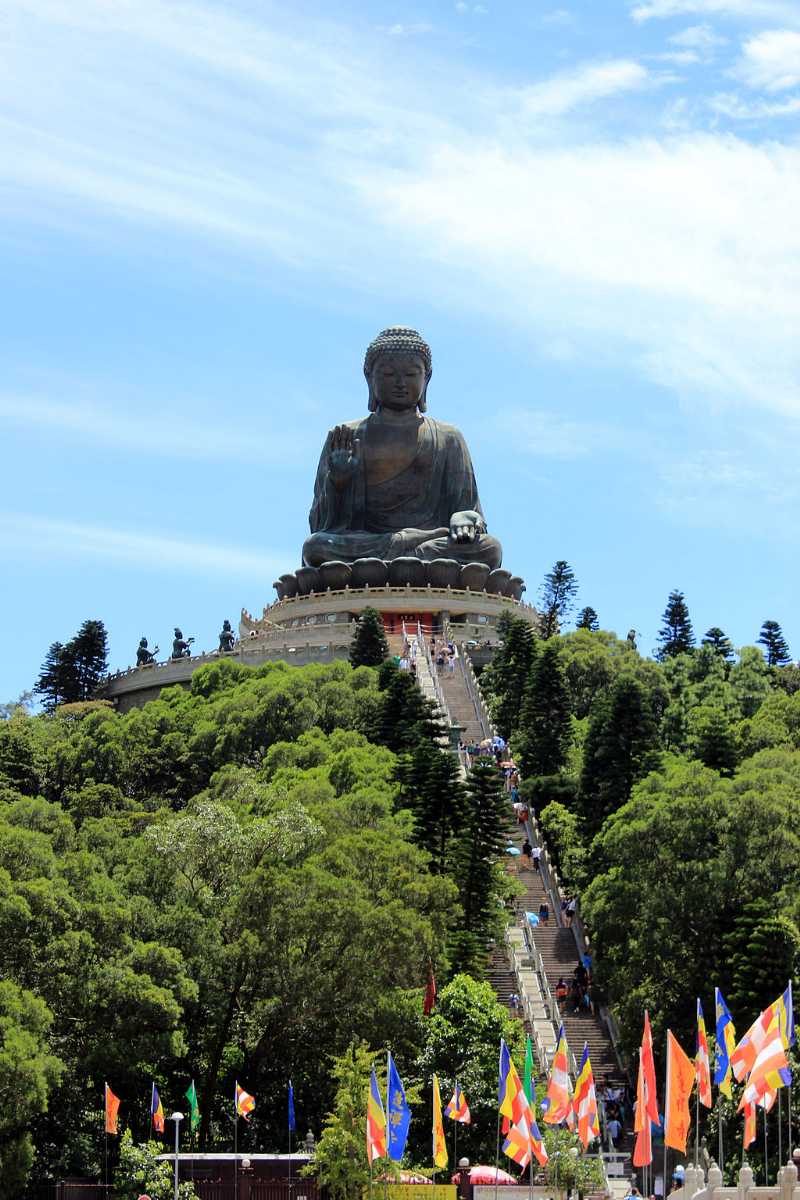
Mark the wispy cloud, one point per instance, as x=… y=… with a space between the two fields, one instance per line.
x=731 y=105
x=770 y=61
x=590 y=82
x=41 y=538
x=746 y=9
x=156 y=434
x=698 y=37
x=543 y=434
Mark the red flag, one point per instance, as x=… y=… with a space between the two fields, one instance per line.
x=112 y=1108
x=643 y=1150
x=430 y=993
x=649 y=1068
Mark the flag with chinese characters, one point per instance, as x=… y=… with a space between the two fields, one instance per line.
x=156 y=1110
x=376 y=1122
x=702 y=1064
x=398 y=1114
x=680 y=1081
x=439 y=1144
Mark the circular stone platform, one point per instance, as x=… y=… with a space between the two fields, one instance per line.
x=318 y=628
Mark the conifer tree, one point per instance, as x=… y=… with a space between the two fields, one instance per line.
x=588 y=619
x=369 y=647
x=676 y=636
x=404 y=717
x=89 y=654
x=432 y=790
x=719 y=642
x=476 y=853
x=545 y=730
x=556 y=596
x=776 y=650
x=506 y=679
x=53 y=681
x=621 y=748
x=761 y=948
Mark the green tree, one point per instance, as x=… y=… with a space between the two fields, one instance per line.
x=476 y=865
x=404 y=716
x=432 y=790
x=55 y=682
x=676 y=635
x=711 y=738
x=545 y=728
x=369 y=647
x=140 y=1171
x=73 y=672
x=504 y=682
x=28 y=1073
x=762 y=950
x=751 y=680
x=19 y=767
x=588 y=619
x=719 y=642
x=621 y=747
x=556 y=596
x=340 y=1163
x=776 y=650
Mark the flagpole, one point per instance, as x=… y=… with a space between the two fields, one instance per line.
x=766 y=1151
x=719 y=1130
x=235 y=1148
x=497 y=1154
x=780 y=1132
x=666 y=1114
x=789 y=1113
x=697 y=1126
x=105 y=1133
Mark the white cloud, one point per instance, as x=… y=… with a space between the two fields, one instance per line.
x=413 y=30
x=157 y=434
x=561 y=93
x=770 y=61
x=746 y=9
x=698 y=37
x=728 y=104
x=544 y=434
x=34 y=537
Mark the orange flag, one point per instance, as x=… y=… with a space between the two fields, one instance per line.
x=749 y=1124
x=643 y=1150
x=112 y=1108
x=680 y=1081
x=649 y=1068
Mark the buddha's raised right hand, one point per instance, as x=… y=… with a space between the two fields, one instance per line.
x=343 y=451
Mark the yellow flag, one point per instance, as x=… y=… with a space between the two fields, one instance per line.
x=439 y=1144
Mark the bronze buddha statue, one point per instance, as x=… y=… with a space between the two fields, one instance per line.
x=397 y=483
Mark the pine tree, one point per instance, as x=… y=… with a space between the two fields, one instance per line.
x=776 y=650
x=505 y=680
x=404 y=716
x=432 y=790
x=621 y=747
x=676 y=636
x=587 y=619
x=369 y=647
x=545 y=731
x=57 y=682
x=719 y=642
x=711 y=738
x=556 y=596
x=89 y=654
x=476 y=853
x=761 y=950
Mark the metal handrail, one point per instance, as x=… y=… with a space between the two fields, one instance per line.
x=475 y=694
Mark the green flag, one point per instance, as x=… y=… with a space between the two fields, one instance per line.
x=527 y=1082
x=194 y=1107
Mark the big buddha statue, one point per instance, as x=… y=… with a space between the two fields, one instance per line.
x=397 y=483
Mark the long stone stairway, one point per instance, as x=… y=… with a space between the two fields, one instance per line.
x=461 y=706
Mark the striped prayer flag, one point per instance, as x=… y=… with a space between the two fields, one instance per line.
x=559 y=1091
x=458 y=1109
x=376 y=1122
x=584 y=1101
x=702 y=1065
x=244 y=1102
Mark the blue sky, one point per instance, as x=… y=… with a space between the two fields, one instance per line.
x=207 y=210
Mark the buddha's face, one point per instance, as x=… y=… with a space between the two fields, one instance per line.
x=398 y=381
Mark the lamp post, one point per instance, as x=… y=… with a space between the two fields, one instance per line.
x=177 y=1117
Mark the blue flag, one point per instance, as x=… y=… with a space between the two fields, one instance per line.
x=291 y=1107
x=397 y=1112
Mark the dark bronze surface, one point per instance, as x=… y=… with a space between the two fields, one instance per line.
x=397 y=483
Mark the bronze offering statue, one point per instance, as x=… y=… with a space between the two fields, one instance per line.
x=397 y=482
x=227 y=637
x=180 y=648
x=145 y=657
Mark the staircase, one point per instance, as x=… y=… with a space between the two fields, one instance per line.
x=461 y=702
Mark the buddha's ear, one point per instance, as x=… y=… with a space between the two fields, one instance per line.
x=423 y=400
x=372 y=405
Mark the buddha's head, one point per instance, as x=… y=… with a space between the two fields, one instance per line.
x=397 y=366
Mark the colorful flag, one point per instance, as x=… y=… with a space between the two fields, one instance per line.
x=749 y=1124
x=458 y=1109
x=194 y=1107
x=527 y=1081
x=156 y=1111
x=291 y=1107
x=245 y=1103
x=430 y=993
x=112 y=1108
x=397 y=1112
x=439 y=1144
x=559 y=1092
x=376 y=1122
x=786 y=1016
x=771 y=1068
x=702 y=1065
x=585 y=1101
x=726 y=1044
x=643 y=1147
x=680 y=1081
x=750 y=1046
x=524 y=1139
x=511 y=1098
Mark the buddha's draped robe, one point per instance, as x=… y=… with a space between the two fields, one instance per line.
x=408 y=514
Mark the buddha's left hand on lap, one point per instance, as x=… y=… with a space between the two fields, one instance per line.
x=466 y=526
